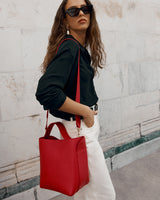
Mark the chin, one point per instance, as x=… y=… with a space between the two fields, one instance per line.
x=84 y=28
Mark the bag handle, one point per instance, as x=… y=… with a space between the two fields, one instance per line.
x=78 y=119
x=61 y=128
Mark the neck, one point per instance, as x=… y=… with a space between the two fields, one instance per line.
x=79 y=36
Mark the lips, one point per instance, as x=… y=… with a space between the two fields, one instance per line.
x=82 y=20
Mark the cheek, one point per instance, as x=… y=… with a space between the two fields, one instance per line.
x=71 y=21
x=88 y=17
x=88 y=21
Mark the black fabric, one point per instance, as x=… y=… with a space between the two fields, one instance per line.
x=60 y=79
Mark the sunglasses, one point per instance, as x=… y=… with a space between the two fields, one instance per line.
x=74 y=12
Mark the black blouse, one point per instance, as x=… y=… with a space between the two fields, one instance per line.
x=60 y=79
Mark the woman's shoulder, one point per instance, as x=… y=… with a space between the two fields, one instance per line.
x=70 y=44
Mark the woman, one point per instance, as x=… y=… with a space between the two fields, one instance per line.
x=75 y=19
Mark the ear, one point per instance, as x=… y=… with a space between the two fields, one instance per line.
x=65 y=21
x=66 y=24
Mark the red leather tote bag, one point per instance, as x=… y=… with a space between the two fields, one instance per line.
x=63 y=163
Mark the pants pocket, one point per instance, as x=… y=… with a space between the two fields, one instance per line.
x=90 y=132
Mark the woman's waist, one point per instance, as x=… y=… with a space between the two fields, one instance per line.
x=73 y=117
x=68 y=116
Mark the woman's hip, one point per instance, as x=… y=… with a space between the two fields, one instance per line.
x=90 y=133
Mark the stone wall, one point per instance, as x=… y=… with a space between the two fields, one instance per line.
x=128 y=87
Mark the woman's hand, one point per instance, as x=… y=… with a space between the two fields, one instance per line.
x=88 y=117
x=75 y=108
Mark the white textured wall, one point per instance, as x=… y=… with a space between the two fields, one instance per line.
x=131 y=81
x=24 y=30
x=128 y=87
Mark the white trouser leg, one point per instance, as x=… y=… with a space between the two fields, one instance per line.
x=100 y=186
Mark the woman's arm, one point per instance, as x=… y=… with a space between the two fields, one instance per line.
x=75 y=108
x=51 y=85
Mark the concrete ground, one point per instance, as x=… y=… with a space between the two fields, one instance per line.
x=139 y=180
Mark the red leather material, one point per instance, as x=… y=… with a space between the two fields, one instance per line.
x=63 y=163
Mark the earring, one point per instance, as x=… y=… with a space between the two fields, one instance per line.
x=68 y=32
x=67 y=27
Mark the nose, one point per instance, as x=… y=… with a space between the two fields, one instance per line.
x=81 y=12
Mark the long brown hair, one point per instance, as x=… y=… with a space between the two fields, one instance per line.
x=93 y=39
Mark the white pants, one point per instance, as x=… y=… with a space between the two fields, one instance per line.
x=100 y=186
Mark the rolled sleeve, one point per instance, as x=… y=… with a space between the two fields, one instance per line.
x=50 y=89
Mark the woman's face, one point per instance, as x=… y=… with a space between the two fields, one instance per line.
x=80 y=22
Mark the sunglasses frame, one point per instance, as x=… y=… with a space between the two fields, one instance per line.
x=89 y=7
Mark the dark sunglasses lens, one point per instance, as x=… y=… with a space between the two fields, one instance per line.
x=87 y=9
x=73 y=12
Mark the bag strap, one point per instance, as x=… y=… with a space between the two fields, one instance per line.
x=78 y=119
x=61 y=128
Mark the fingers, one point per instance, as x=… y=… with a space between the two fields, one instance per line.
x=95 y=112
x=89 y=121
